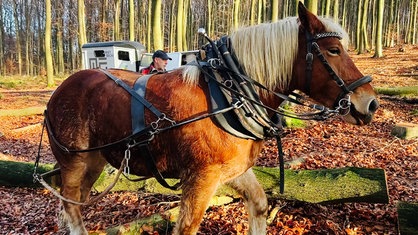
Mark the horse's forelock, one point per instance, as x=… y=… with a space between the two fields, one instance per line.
x=332 y=26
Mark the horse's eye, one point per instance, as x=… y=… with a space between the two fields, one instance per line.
x=334 y=51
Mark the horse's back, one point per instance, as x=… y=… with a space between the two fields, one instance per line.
x=85 y=103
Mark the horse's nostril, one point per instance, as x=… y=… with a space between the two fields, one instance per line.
x=373 y=105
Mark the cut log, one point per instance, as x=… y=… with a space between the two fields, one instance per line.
x=349 y=184
x=154 y=224
x=407 y=218
x=20 y=174
x=405 y=130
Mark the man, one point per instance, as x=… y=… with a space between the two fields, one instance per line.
x=158 y=64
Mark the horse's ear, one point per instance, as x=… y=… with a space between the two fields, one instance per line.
x=309 y=21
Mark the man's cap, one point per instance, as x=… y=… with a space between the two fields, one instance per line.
x=161 y=54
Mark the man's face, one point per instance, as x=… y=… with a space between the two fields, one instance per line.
x=160 y=64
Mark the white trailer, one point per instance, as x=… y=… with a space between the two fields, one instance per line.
x=116 y=54
x=128 y=55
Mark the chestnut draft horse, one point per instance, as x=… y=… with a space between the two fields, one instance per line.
x=89 y=111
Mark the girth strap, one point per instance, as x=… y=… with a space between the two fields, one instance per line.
x=152 y=166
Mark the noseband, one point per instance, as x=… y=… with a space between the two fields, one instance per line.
x=343 y=99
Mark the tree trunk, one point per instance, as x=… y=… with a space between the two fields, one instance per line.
x=156 y=25
x=363 y=45
x=253 y=12
x=350 y=184
x=82 y=38
x=327 y=8
x=414 y=23
x=336 y=10
x=2 y=66
x=358 y=30
x=312 y=6
x=116 y=21
x=180 y=20
x=209 y=25
x=379 y=29
x=59 y=40
x=186 y=24
x=48 y=48
x=236 y=13
x=274 y=10
x=131 y=20
x=17 y=31
x=28 y=38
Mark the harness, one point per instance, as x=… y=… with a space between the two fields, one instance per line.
x=236 y=105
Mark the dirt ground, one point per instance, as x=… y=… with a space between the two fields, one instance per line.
x=327 y=144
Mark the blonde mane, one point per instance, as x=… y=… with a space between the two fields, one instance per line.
x=266 y=52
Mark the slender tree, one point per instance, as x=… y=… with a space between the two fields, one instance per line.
x=379 y=29
x=156 y=25
x=48 y=49
x=274 y=10
x=327 y=7
x=236 y=13
x=2 y=66
x=17 y=31
x=149 y=24
x=116 y=21
x=187 y=28
x=82 y=37
x=131 y=20
x=180 y=20
x=336 y=10
x=363 y=44
x=312 y=5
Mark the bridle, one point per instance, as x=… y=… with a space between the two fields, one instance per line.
x=342 y=101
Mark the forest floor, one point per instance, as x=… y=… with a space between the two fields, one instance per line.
x=326 y=144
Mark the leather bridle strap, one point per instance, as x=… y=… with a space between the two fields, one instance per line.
x=313 y=45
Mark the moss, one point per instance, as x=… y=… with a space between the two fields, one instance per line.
x=22 y=112
x=20 y=174
x=400 y=91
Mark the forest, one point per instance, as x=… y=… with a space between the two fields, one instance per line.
x=45 y=37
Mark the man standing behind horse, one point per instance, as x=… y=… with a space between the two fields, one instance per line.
x=158 y=64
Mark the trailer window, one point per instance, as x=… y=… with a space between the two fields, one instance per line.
x=99 y=53
x=123 y=55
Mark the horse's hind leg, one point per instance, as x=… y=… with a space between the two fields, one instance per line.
x=255 y=200
x=197 y=192
x=78 y=176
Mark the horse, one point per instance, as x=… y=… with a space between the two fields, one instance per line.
x=88 y=110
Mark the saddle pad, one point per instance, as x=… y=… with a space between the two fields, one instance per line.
x=138 y=108
x=228 y=120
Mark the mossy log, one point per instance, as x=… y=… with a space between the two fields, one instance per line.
x=401 y=91
x=349 y=184
x=405 y=130
x=20 y=174
x=148 y=225
x=407 y=218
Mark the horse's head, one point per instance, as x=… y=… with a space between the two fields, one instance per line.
x=329 y=75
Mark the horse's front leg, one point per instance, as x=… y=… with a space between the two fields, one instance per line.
x=255 y=200
x=198 y=189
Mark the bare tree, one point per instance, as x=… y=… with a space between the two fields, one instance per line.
x=379 y=29
x=48 y=53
